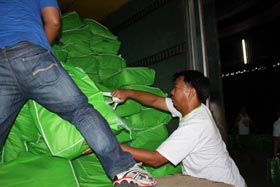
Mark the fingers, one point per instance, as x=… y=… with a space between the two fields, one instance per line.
x=115 y=93
x=120 y=94
x=87 y=151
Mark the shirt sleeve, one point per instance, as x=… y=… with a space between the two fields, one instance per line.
x=178 y=145
x=182 y=141
x=46 y=3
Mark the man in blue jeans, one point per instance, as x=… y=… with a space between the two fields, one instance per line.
x=29 y=70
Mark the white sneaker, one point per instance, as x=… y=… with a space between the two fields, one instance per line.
x=134 y=177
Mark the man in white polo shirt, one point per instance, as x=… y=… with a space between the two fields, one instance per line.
x=196 y=142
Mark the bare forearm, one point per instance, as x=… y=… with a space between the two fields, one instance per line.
x=152 y=158
x=51 y=32
x=51 y=17
x=145 y=98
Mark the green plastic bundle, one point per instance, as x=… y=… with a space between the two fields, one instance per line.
x=22 y=133
x=71 y=20
x=42 y=149
x=55 y=129
x=90 y=172
x=131 y=76
x=38 y=170
x=99 y=29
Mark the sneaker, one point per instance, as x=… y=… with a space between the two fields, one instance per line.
x=134 y=177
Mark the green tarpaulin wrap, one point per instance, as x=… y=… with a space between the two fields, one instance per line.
x=79 y=34
x=44 y=150
x=38 y=171
x=71 y=20
x=77 y=49
x=23 y=132
x=130 y=76
x=98 y=67
x=89 y=177
x=55 y=129
x=98 y=29
x=99 y=44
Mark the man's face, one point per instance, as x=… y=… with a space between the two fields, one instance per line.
x=179 y=93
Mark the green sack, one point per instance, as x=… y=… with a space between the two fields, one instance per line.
x=71 y=20
x=126 y=136
x=90 y=172
x=148 y=117
x=149 y=138
x=273 y=172
x=60 y=53
x=100 y=44
x=79 y=34
x=62 y=138
x=52 y=127
x=128 y=108
x=109 y=65
x=77 y=49
x=22 y=132
x=38 y=147
x=99 y=29
x=38 y=170
x=89 y=64
x=131 y=76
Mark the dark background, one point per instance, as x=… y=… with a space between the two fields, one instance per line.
x=257 y=87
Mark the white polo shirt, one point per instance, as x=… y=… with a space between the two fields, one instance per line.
x=197 y=143
x=276 y=128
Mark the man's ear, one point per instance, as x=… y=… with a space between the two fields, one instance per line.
x=192 y=92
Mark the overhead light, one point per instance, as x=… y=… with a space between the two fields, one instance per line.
x=244 y=50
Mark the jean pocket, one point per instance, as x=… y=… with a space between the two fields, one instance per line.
x=46 y=71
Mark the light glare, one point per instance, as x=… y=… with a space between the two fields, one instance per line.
x=244 y=51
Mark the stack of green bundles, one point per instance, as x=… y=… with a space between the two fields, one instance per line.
x=44 y=150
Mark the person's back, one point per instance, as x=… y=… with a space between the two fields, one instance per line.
x=21 y=21
x=244 y=124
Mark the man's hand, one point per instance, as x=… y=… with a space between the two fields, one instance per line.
x=87 y=151
x=121 y=94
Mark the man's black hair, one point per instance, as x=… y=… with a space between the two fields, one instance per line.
x=198 y=81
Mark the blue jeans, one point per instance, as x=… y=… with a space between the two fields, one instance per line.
x=28 y=71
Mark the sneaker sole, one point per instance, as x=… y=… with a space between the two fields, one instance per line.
x=130 y=182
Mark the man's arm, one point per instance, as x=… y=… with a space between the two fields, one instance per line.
x=51 y=17
x=152 y=158
x=145 y=98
